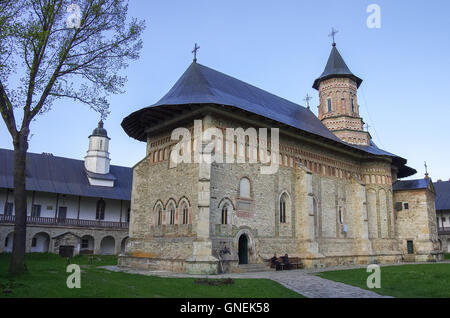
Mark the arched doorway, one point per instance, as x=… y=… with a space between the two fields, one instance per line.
x=123 y=245
x=243 y=249
x=40 y=243
x=107 y=246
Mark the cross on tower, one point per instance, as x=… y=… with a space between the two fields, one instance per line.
x=307 y=100
x=196 y=48
x=426 y=170
x=332 y=35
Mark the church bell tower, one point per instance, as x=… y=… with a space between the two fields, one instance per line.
x=339 y=109
x=97 y=162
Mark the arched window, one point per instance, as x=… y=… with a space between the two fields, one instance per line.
x=283 y=209
x=244 y=188
x=101 y=206
x=185 y=213
x=225 y=214
x=171 y=214
x=159 y=215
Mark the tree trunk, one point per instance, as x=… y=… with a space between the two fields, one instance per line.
x=20 y=202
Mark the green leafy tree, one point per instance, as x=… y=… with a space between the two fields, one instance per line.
x=52 y=49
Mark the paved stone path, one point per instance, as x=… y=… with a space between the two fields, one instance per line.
x=300 y=281
x=303 y=281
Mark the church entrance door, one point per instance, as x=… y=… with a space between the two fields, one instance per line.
x=243 y=249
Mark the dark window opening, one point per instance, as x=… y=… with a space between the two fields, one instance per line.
x=159 y=216
x=84 y=243
x=36 y=211
x=100 y=213
x=225 y=215
x=9 y=206
x=329 y=105
x=172 y=216
x=62 y=213
x=283 y=210
x=185 y=215
x=33 y=242
x=406 y=206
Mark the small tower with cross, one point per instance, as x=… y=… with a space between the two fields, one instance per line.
x=339 y=109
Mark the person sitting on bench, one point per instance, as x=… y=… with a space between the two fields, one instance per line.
x=275 y=262
x=286 y=263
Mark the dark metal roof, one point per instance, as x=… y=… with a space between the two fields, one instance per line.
x=411 y=184
x=201 y=85
x=100 y=131
x=336 y=67
x=442 y=195
x=47 y=173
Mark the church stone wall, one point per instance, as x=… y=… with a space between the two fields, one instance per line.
x=418 y=224
x=156 y=183
x=339 y=210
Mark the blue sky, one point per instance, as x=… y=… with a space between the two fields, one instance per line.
x=282 y=46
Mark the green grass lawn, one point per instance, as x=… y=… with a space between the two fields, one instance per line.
x=47 y=279
x=405 y=281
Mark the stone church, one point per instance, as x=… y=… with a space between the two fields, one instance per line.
x=335 y=199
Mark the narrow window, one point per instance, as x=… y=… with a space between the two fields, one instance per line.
x=172 y=215
x=101 y=206
x=33 y=242
x=6 y=241
x=185 y=214
x=128 y=215
x=62 y=213
x=225 y=214
x=406 y=205
x=159 y=215
x=341 y=221
x=329 y=105
x=36 y=211
x=283 y=209
x=9 y=206
x=353 y=105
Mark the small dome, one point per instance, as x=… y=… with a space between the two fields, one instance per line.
x=100 y=131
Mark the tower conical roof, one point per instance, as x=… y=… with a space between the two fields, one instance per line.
x=336 y=67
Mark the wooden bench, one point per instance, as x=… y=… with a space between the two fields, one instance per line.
x=294 y=262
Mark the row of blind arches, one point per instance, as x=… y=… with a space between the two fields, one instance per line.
x=169 y=214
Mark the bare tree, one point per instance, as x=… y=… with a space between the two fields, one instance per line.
x=60 y=49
